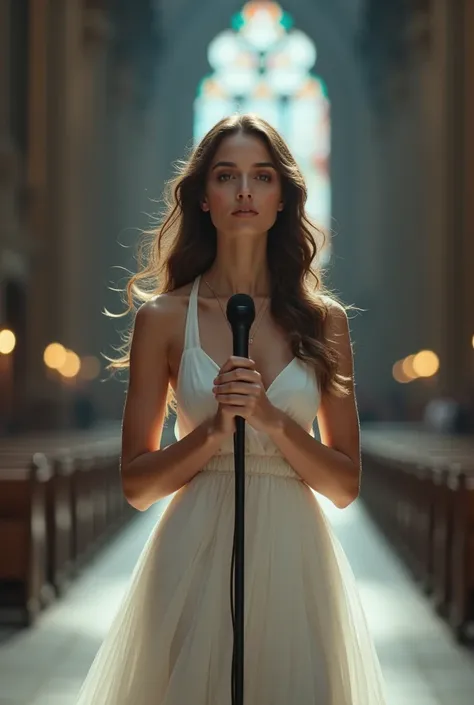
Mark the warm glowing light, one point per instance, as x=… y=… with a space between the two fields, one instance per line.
x=55 y=356
x=90 y=368
x=472 y=341
x=71 y=366
x=426 y=363
x=408 y=368
x=399 y=374
x=7 y=341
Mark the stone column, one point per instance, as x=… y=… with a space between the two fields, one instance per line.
x=71 y=128
x=466 y=254
x=435 y=110
x=40 y=285
x=98 y=208
x=459 y=250
x=11 y=262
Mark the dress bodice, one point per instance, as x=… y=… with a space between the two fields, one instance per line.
x=295 y=390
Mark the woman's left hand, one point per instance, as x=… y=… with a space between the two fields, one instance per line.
x=233 y=379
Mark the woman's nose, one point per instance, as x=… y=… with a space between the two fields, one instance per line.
x=244 y=189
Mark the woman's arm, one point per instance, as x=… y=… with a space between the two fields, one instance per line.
x=331 y=467
x=148 y=473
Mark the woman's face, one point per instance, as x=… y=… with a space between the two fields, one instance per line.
x=243 y=189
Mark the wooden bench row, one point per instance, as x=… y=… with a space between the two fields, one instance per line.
x=420 y=491
x=60 y=500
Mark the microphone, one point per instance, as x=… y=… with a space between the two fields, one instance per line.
x=241 y=315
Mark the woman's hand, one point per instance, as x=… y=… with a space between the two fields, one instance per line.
x=239 y=391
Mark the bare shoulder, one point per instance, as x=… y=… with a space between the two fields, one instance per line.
x=336 y=322
x=334 y=307
x=155 y=314
x=160 y=326
x=163 y=312
x=153 y=326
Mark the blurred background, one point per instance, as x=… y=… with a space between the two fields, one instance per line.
x=98 y=99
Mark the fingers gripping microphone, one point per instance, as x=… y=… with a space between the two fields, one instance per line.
x=241 y=315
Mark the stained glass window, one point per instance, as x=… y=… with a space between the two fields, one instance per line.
x=264 y=65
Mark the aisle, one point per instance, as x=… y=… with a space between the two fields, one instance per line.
x=422 y=665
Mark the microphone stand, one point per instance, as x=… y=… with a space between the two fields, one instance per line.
x=239 y=548
x=240 y=313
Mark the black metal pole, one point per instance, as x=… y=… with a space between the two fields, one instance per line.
x=239 y=455
x=241 y=314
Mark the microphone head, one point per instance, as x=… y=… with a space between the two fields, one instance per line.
x=240 y=310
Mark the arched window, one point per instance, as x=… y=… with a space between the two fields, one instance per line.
x=264 y=65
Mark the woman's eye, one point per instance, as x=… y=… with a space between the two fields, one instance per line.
x=260 y=177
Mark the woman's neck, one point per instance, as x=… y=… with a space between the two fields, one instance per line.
x=240 y=270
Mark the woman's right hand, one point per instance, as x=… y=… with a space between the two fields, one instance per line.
x=241 y=400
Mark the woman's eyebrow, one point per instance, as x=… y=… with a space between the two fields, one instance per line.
x=233 y=165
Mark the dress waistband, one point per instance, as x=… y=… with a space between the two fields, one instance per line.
x=254 y=465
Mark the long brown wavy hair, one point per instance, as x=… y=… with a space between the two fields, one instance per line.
x=183 y=246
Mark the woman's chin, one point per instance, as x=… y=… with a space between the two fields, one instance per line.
x=246 y=227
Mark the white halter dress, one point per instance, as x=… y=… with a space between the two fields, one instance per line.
x=306 y=637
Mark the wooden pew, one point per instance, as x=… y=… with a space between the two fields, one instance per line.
x=83 y=506
x=60 y=522
x=461 y=611
x=58 y=508
x=25 y=588
x=420 y=489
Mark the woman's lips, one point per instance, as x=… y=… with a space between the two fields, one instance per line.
x=244 y=214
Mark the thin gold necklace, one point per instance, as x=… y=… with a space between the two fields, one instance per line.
x=256 y=323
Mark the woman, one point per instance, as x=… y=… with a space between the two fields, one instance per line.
x=237 y=224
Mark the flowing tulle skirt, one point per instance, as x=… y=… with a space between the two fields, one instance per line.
x=306 y=637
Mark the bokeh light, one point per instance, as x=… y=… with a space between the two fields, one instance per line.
x=71 y=366
x=399 y=374
x=408 y=368
x=55 y=356
x=426 y=363
x=7 y=341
